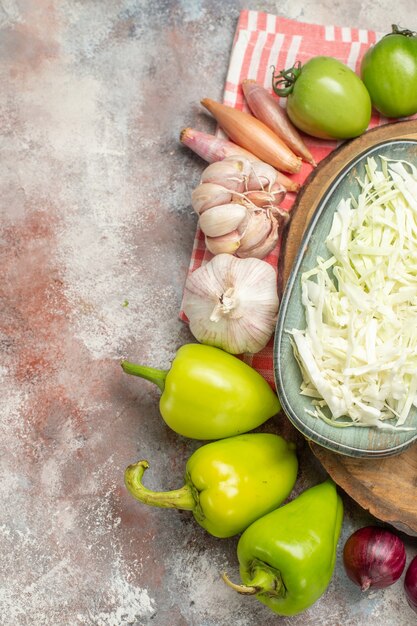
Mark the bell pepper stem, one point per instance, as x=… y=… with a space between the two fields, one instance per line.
x=149 y=373
x=246 y=590
x=264 y=580
x=182 y=498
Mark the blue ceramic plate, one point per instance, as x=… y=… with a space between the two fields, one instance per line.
x=352 y=441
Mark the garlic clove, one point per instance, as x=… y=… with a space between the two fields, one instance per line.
x=232 y=303
x=207 y=195
x=263 y=248
x=222 y=219
x=225 y=244
x=262 y=176
x=231 y=173
x=280 y=214
x=278 y=191
x=258 y=228
x=244 y=223
x=259 y=198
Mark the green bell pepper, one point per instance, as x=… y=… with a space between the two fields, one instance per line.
x=288 y=556
x=228 y=483
x=210 y=394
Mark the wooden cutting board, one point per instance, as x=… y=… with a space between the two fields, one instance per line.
x=385 y=487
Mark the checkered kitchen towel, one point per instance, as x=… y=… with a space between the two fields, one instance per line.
x=263 y=40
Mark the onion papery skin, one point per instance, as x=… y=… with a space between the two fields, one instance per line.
x=374 y=557
x=410 y=584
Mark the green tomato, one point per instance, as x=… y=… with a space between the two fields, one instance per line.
x=325 y=98
x=389 y=71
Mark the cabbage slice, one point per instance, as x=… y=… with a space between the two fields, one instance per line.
x=358 y=352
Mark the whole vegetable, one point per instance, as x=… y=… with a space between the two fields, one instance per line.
x=228 y=483
x=232 y=303
x=389 y=71
x=288 y=556
x=374 y=557
x=248 y=132
x=212 y=148
x=266 y=108
x=209 y=394
x=410 y=584
x=325 y=98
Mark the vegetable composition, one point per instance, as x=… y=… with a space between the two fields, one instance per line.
x=358 y=350
x=288 y=556
x=374 y=557
x=210 y=394
x=253 y=135
x=325 y=98
x=389 y=71
x=410 y=584
x=228 y=483
x=238 y=203
x=232 y=303
x=357 y=354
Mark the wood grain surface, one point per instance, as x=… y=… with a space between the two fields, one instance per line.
x=385 y=487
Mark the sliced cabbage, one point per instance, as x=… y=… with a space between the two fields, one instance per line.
x=358 y=352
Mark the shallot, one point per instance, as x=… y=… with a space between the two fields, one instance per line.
x=253 y=135
x=212 y=148
x=266 y=108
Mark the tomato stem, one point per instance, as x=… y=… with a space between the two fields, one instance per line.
x=283 y=82
x=396 y=30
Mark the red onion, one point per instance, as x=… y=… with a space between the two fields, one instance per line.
x=410 y=584
x=374 y=557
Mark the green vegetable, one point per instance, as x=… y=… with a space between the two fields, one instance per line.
x=325 y=98
x=228 y=483
x=288 y=556
x=210 y=394
x=389 y=71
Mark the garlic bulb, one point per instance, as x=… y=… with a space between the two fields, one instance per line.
x=232 y=303
x=238 y=202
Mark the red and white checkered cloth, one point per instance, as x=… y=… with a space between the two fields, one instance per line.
x=263 y=40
